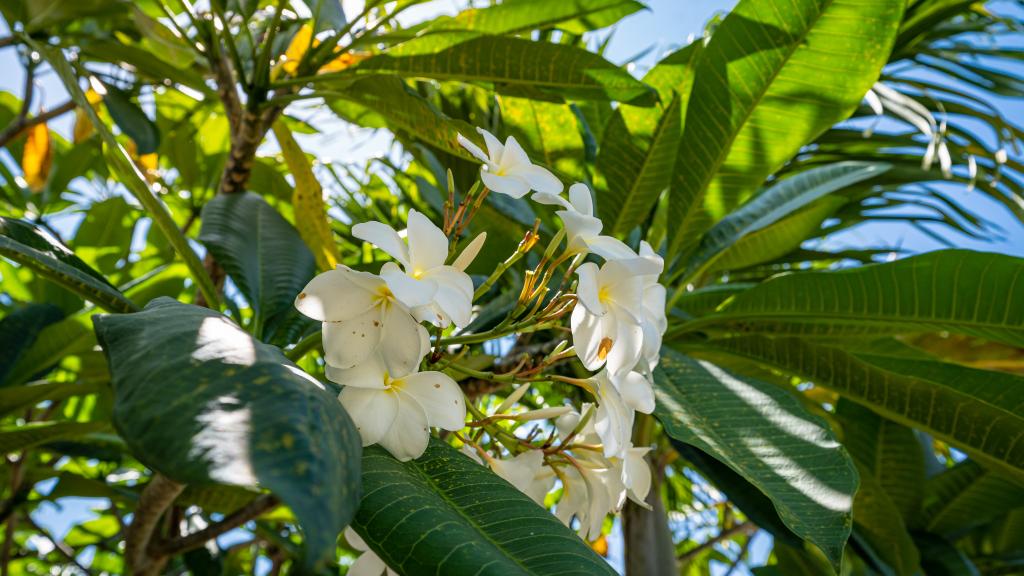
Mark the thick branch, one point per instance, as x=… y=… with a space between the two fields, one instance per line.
x=19 y=125
x=158 y=495
x=237 y=518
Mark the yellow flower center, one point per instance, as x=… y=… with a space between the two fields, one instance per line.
x=603 y=294
x=393 y=385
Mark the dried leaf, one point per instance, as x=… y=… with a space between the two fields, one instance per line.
x=37 y=157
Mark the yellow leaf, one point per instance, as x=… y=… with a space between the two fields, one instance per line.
x=308 y=201
x=600 y=545
x=296 y=50
x=83 y=126
x=37 y=157
x=344 y=60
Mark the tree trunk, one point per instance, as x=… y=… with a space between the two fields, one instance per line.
x=648 y=542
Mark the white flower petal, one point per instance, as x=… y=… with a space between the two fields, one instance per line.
x=636 y=391
x=454 y=295
x=408 y=290
x=608 y=248
x=513 y=187
x=472 y=148
x=636 y=475
x=351 y=342
x=551 y=200
x=368 y=564
x=367 y=374
x=384 y=237
x=580 y=198
x=469 y=253
x=520 y=470
x=401 y=342
x=513 y=155
x=566 y=423
x=355 y=540
x=440 y=397
x=333 y=296
x=627 y=344
x=408 y=436
x=540 y=179
x=574 y=497
x=428 y=246
x=373 y=411
x=614 y=420
x=579 y=228
x=542 y=483
x=588 y=289
x=588 y=333
x=495 y=148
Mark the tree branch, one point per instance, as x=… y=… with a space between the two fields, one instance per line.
x=158 y=495
x=744 y=527
x=237 y=518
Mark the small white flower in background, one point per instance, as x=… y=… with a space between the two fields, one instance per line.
x=606 y=322
x=526 y=471
x=435 y=292
x=398 y=411
x=368 y=563
x=361 y=317
x=582 y=228
x=507 y=169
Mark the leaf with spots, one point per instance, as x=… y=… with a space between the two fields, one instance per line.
x=443 y=514
x=202 y=402
x=764 y=434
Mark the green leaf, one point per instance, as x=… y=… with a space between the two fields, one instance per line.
x=549 y=132
x=756 y=97
x=396 y=106
x=764 y=434
x=511 y=65
x=19 y=330
x=72 y=335
x=19 y=437
x=638 y=150
x=130 y=118
x=17 y=397
x=44 y=254
x=889 y=452
x=444 y=514
x=939 y=557
x=263 y=254
x=968 y=495
x=202 y=402
x=328 y=15
x=775 y=204
x=978 y=411
x=960 y=291
x=878 y=520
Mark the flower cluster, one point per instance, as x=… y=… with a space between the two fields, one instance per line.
x=377 y=346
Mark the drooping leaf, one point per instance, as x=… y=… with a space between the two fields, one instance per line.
x=262 y=253
x=956 y=290
x=19 y=437
x=764 y=434
x=444 y=514
x=976 y=410
x=32 y=247
x=968 y=495
x=19 y=331
x=756 y=97
x=130 y=118
x=203 y=402
x=511 y=65
x=774 y=204
x=308 y=202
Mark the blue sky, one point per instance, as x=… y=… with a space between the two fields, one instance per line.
x=666 y=26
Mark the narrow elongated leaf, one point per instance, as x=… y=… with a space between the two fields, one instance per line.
x=966 y=496
x=130 y=118
x=776 y=203
x=510 y=65
x=974 y=293
x=877 y=520
x=203 y=402
x=13 y=439
x=639 y=146
x=38 y=250
x=72 y=335
x=756 y=98
x=444 y=514
x=262 y=253
x=978 y=411
x=308 y=201
x=765 y=435
x=549 y=132
x=17 y=397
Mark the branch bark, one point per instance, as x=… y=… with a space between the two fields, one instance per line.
x=156 y=498
x=237 y=518
x=742 y=528
x=649 y=547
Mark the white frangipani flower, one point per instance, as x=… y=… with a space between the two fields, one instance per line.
x=582 y=228
x=526 y=471
x=368 y=563
x=606 y=322
x=361 y=316
x=585 y=497
x=507 y=169
x=397 y=411
x=437 y=293
x=635 y=474
x=652 y=318
x=636 y=390
x=614 y=419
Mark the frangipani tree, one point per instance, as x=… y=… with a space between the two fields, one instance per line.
x=573 y=304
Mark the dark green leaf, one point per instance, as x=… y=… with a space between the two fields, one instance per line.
x=130 y=118
x=69 y=336
x=966 y=496
x=201 y=401
x=444 y=514
x=17 y=397
x=34 y=248
x=263 y=254
x=13 y=439
x=764 y=434
x=19 y=330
